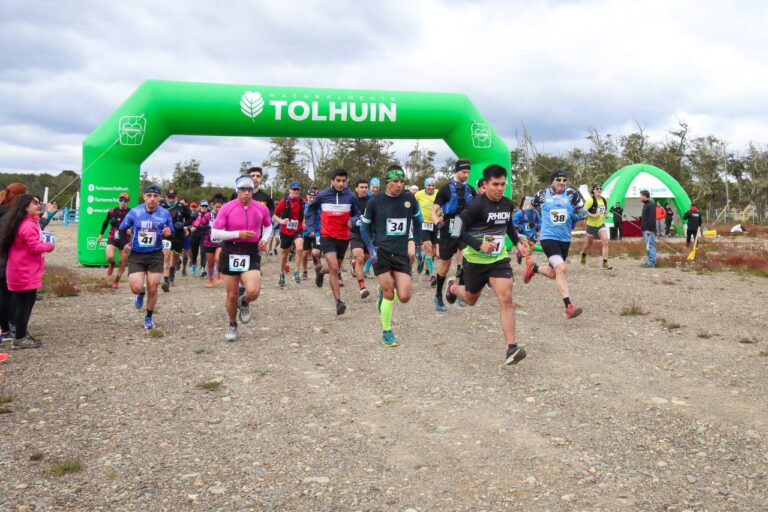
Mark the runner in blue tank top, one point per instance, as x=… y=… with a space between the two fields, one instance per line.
x=148 y=224
x=560 y=205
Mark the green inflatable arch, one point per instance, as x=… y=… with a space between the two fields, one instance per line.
x=628 y=181
x=113 y=153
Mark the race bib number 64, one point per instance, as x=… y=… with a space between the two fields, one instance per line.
x=239 y=262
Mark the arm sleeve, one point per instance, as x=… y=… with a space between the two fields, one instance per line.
x=266 y=232
x=106 y=222
x=169 y=223
x=312 y=213
x=417 y=223
x=355 y=212
x=365 y=234
x=222 y=234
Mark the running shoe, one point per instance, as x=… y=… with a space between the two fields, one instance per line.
x=364 y=293
x=515 y=354
x=149 y=323
x=420 y=264
x=607 y=266
x=166 y=286
x=304 y=276
x=583 y=260
x=231 y=333
x=572 y=311
x=26 y=342
x=281 y=280
x=286 y=268
x=341 y=307
x=6 y=335
x=110 y=269
x=219 y=279
x=389 y=339
x=528 y=271
x=203 y=273
x=183 y=272
x=296 y=278
x=193 y=270
x=115 y=285
x=210 y=282
x=439 y=306
x=138 y=302
x=318 y=277
x=380 y=293
x=433 y=281
x=243 y=310
x=461 y=303
x=519 y=257
x=450 y=297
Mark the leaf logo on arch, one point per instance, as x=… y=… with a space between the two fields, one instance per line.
x=251 y=104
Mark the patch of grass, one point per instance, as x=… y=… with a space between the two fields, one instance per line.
x=720 y=258
x=211 y=385
x=669 y=325
x=260 y=372
x=155 y=333
x=6 y=399
x=748 y=341
x=201 y=351
x=71 y=466
x=704 y=335
x=5 y=410
x=633 y=310
x=60 y=281
x=35 y=457
x=419 y=466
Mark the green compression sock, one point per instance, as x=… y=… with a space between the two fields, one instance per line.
x=386 y=314
x=430 y=265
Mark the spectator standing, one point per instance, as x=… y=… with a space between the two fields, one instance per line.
x=661 y=215
x=618 y=218
x=20 y=242
x=670 y=215
x=7 y=304
x=648 y=224
x=694 y=223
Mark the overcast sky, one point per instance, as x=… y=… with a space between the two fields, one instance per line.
x=555 y=67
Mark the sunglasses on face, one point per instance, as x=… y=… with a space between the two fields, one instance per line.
x=245 y=189
x=561 y=180
x=123 y=200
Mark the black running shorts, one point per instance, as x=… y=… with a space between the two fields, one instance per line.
x=151 y=262
x=236 y=258
x=477 y=275
x=329 y=245
x=388 y=262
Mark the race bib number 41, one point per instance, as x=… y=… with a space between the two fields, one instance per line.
x=558 y=216
x=147 y=238
x=239 y=262
x=396 y=227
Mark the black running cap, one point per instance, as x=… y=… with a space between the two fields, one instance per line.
x=557 y=173
x=152 y=189
x=462 y=165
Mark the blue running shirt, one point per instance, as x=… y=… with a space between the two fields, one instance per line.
x=557 y=210
x=147 y=228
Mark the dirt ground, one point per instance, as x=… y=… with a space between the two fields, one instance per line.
x=663 y=411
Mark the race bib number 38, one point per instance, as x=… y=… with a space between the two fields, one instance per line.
x=396 y=227
x=239 y=262
x=167 y=245
x=558 y=216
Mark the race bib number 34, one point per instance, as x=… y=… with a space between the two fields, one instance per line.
x=558 y=216
x=239 y=262
x=396 y=227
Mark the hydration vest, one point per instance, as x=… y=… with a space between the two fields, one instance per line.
x=452 y=206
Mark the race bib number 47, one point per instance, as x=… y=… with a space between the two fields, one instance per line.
x=239 y=262
x=558 y=216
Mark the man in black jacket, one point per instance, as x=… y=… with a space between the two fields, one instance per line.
x=648 y=225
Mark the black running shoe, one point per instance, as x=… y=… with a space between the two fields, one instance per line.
x=450 y=298
x=515 y=354
x=420 y=266
x=341 y=307
x=319 y=278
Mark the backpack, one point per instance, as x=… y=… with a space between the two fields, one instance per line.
x=452 y=206
x=287 y=211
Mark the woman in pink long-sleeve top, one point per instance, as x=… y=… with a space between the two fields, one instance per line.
x=20 y=242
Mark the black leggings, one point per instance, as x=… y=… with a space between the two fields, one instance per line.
x=7 y=305
x=196 y=242
x=25 y=301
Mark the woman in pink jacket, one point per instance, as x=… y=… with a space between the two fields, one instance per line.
x=20 y=242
